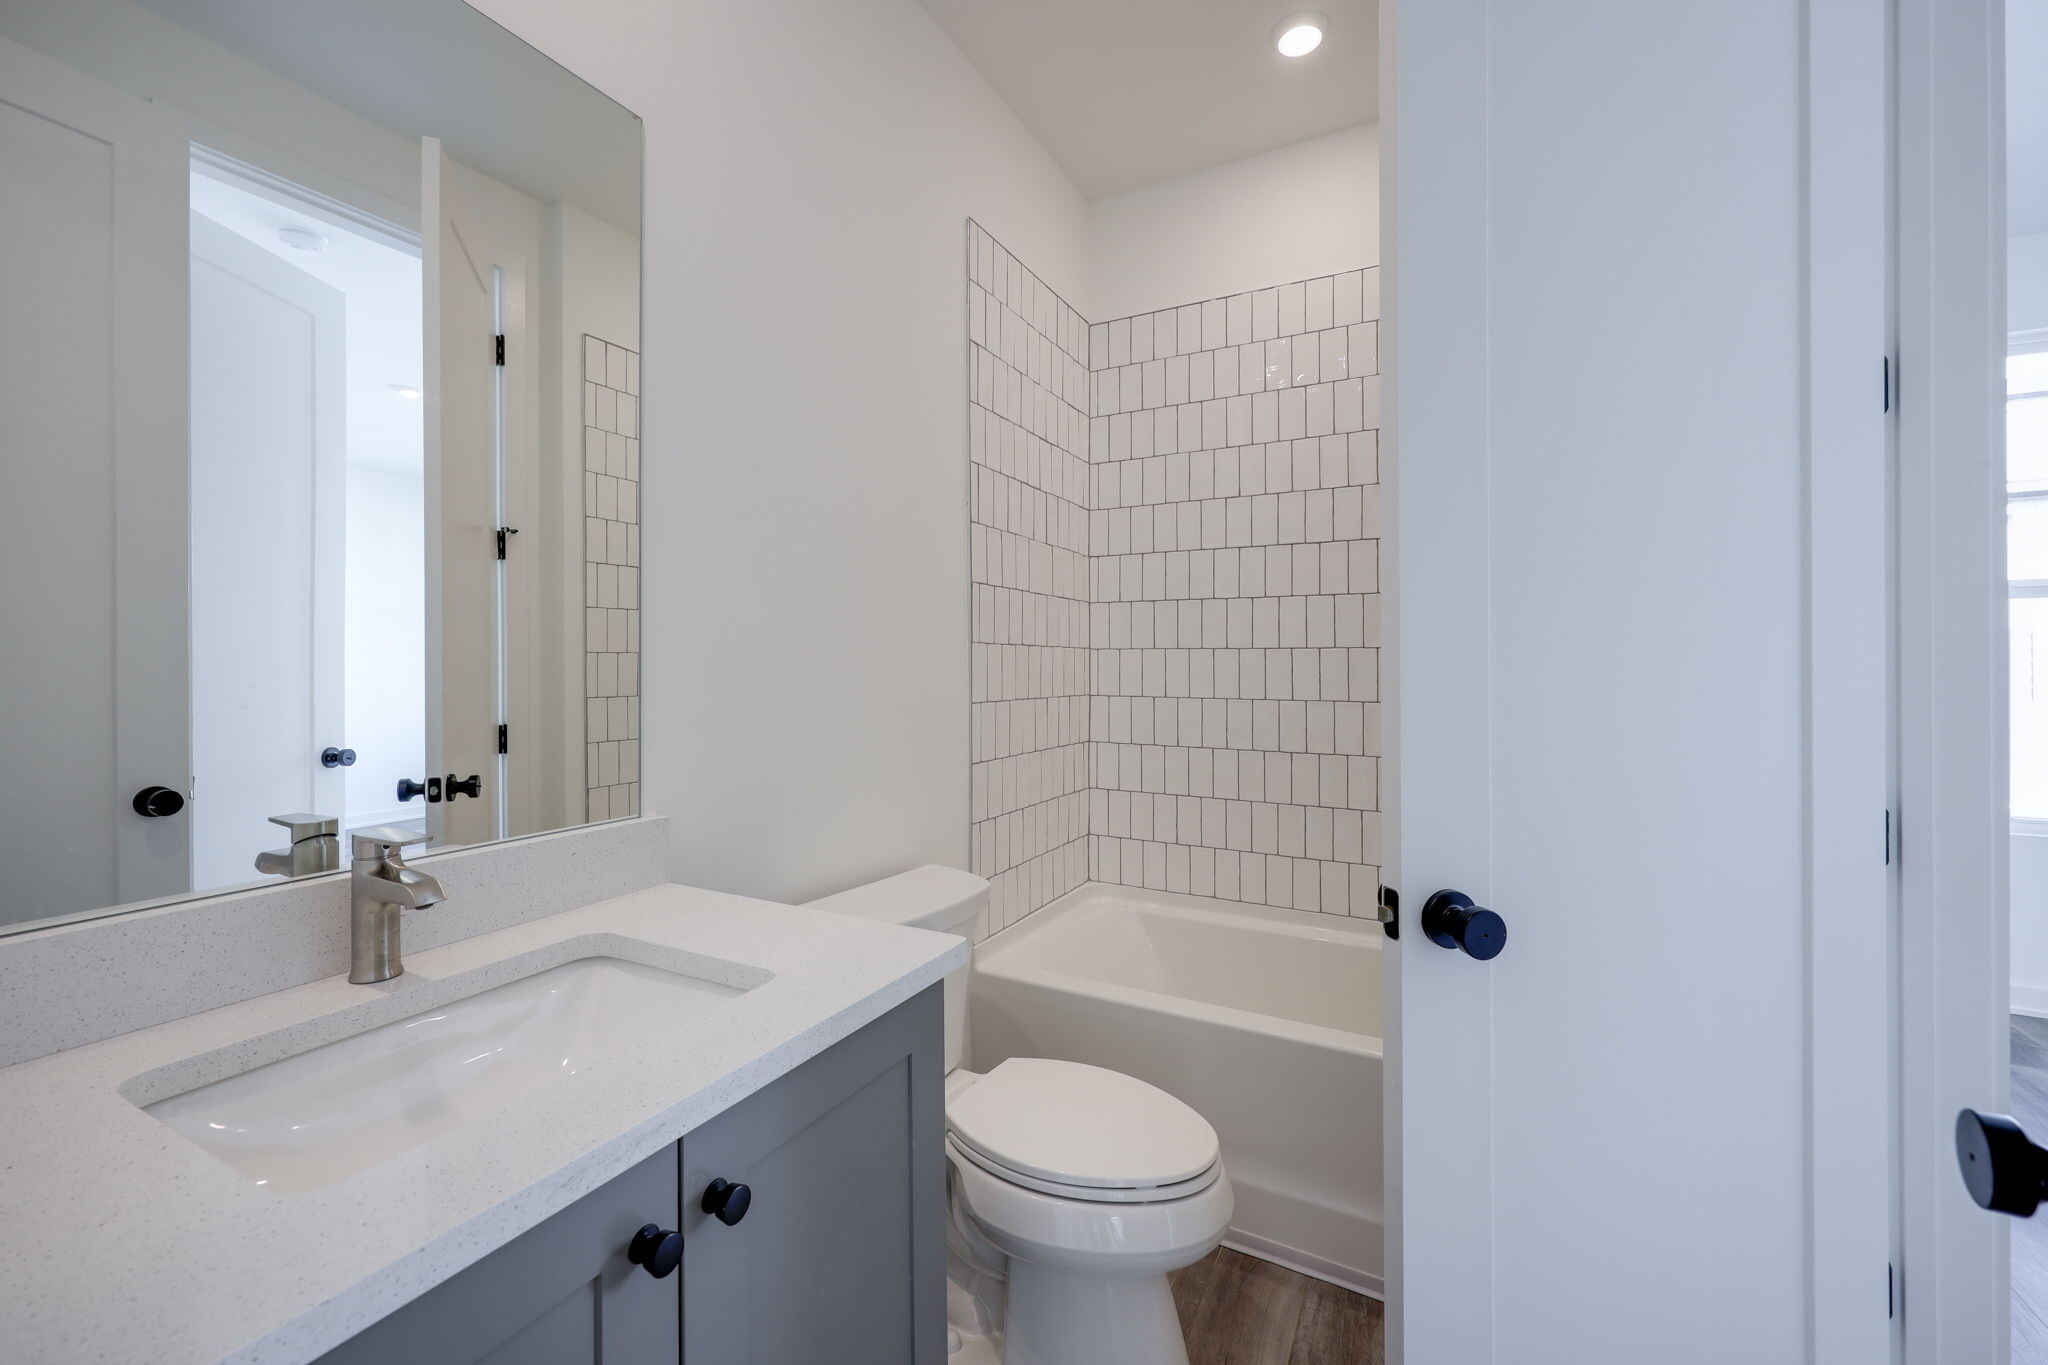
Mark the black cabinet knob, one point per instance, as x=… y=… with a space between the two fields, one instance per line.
x=157 y=802
x=656 y=1249
x=331 y=757
x=408 y=789
x=1451 y=920
x=2003 y=1170
x=471 y=786
x=727 y=1202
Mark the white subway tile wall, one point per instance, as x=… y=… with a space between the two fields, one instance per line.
x=1028 y=477
x=1234 y=521
x=1174 y=529
x=611 y=578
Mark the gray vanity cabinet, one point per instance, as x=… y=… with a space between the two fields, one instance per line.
x=838 y=1259
x=561 y=1294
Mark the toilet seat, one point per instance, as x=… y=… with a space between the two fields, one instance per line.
x=1082 y=1132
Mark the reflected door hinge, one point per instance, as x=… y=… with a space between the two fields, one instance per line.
x=1887 y=381
x=1887 y=838
x=498 y=348
x=504 y=739
x=1891 y=1290
x=504 y=535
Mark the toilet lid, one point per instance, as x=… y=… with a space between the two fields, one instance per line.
x=1073 y=1124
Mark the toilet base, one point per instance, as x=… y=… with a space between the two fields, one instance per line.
x=1058 y=1318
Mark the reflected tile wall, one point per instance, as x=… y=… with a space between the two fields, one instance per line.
x=611 y=578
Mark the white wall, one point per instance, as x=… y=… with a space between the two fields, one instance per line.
x=2026 y=308
x=1292 y=214
x=2026 y=282
x=810 y=170
x=384 y=657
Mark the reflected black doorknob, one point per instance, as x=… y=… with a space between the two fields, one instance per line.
x=656 y=1249
x=156 y=802
x=471 y=786
x=408 y=789
x=331 y=757
x=2003 y=1171
x=726 y=1202
x=1451 y=920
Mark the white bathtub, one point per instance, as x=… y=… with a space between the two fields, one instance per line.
x=1266 y=1021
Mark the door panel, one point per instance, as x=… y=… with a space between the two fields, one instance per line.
x=92 y=592
x=268 y=471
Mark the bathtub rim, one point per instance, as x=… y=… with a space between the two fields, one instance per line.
x=991 y=958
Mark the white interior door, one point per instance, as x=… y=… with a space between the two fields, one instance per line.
x=268 y=488
x=1635 y=325
x=92 y=511
x=461 y=283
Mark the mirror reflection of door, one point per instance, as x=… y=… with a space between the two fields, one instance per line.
x=92 y=493
x=268 y=438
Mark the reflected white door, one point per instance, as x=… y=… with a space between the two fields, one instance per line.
x=462 y=432
x=268 y=490
x=92 y=508
x=1636 y=281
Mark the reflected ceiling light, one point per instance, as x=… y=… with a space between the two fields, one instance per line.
x=1300 y=34
x=301 y=239
x=405 y=390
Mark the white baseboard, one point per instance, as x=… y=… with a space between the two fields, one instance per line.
x=1315 y=1267
x=2031 y=1001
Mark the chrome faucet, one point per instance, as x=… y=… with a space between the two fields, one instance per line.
x=315 y=847
x=379 y=885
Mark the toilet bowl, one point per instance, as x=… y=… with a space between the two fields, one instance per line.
x=1073 y=1190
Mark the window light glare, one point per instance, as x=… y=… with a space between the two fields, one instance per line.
x=405 y=390
x=1300 y=34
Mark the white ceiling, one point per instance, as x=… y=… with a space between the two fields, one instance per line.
x=439 y=67
x=1127 y=92
x=2026 y=116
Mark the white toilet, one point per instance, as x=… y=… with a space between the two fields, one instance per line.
x=1073 y=1189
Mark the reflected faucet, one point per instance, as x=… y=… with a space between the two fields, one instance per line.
x=379 y=885
x=315 y=847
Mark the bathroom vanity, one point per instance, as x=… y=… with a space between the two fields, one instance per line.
x=490 y=1156
x=803 y=1224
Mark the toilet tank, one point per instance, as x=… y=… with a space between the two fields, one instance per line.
x=928 y=897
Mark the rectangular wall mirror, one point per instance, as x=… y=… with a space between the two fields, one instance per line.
x=319 y=432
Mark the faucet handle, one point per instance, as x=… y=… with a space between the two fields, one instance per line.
x=306 y=825
x=380 y=841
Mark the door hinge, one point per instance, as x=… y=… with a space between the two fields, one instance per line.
x=504 y=739
x=498 y=349
x=504 y=533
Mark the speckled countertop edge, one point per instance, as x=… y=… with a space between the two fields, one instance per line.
x=124 y=1242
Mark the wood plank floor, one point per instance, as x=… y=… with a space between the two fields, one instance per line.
x=2030 y=1235
x=1238 y=1310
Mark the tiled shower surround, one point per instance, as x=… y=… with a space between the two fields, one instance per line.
x=1230 y=662
x=611 y=579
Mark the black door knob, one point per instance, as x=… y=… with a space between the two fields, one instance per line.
x=656 y=1249
x=726 y=1202
x=157 y=802
x=331 y=757
x=2004 y=1171
x=1451 y=920
x=471 y=786
x=408 y=789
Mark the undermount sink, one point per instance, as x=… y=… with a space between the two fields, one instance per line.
x=314 y=1118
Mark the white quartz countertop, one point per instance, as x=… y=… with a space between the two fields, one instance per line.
x=122 y=1241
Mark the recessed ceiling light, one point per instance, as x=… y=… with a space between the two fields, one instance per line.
x=301 y=239
x=1300 y=34
x=405 y=390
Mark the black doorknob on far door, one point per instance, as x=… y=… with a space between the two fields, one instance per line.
x=157 y=802
x=471 y=786
x=408 y=789
x=726 y=1202
x=656 y=1249
x=331 y=757
x=1451 y=920
x=2003 y=1170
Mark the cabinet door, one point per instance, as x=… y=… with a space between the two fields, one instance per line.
x=840 y=1257
x=562 y=1294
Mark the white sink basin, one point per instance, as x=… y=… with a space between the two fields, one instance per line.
x=311 y=1119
